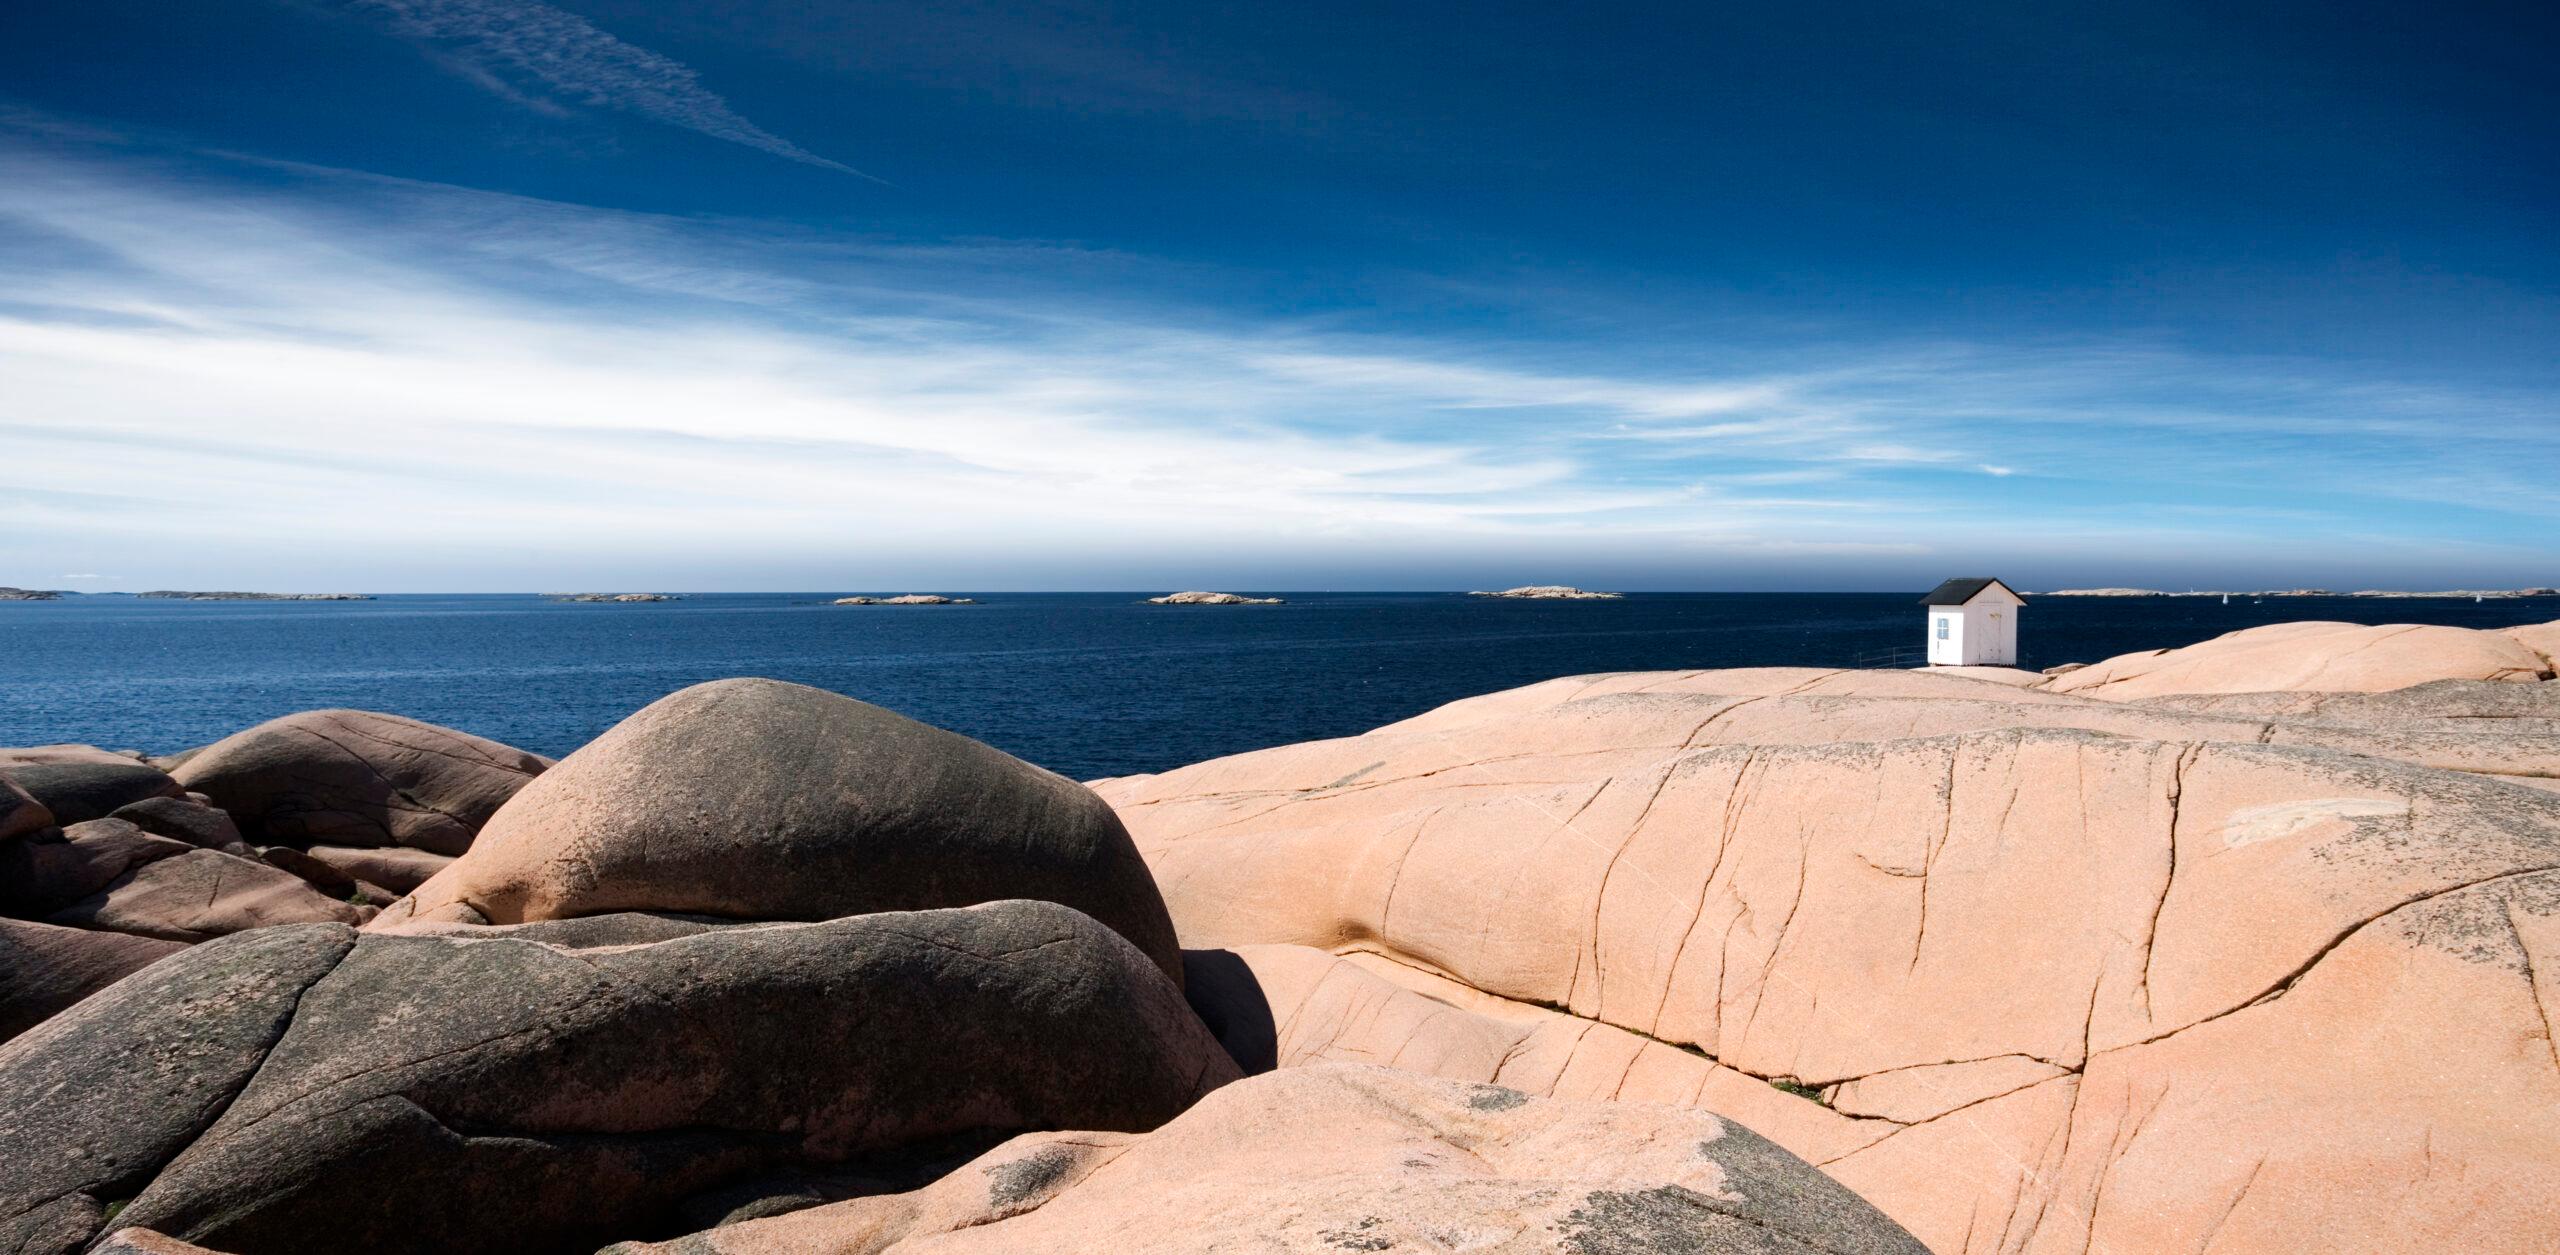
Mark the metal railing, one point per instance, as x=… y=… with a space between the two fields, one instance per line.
x=1904 y=656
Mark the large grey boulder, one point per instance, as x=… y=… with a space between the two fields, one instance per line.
x=355 y=777
x=45 y=968
x=755 y=799
x=484 y=1092
x=593 y=932
x=95 y=1101
x=79 y=791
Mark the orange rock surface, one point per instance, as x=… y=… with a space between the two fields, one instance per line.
x=2322 y=657
x=1346 y=1158
x=2072 y=976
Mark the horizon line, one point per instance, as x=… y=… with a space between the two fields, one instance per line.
x=2519 y=592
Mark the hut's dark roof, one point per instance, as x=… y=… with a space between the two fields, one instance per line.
x=1958 y=592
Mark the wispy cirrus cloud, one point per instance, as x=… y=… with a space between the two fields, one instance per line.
x=536 y=54
x=318 y=366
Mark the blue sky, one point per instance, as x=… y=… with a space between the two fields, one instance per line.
x=489 y=294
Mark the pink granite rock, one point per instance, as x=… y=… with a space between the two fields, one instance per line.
x=1348 y=1158
x=2070 y=985
x=2320 y=657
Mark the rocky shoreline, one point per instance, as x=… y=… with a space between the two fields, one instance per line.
x=2235 y=946
x=906 y=599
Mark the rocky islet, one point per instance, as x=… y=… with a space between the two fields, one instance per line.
x=1549 y=592
x=1199 y=598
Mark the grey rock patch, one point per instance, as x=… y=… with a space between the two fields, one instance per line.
x=96 y=1100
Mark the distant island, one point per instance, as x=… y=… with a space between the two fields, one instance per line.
x=172 y=594
x=1550 y=592
x=908 y=599
x=614 y=596
x=2493 y=593
x=28 y=594
x=1197 y=598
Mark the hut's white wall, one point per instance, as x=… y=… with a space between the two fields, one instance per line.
x=1980 y=633
x=1946 y=636
x=1991 y=631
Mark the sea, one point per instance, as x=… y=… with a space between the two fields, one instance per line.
x=1086 y=684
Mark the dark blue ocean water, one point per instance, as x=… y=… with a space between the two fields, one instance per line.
x=1089 y=684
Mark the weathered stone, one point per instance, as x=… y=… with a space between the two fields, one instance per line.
x=322 y=877
x=20 y=813
x=145 y=1242
x=593 y=932
x=1739 y=682
x=201 y=894
x=398 y=870
x=1291 y=1006
x=15 y=756
x=45 y=968
x=755 y=799
x=171 y=762
x=2482 y=706
x=1635 y=721
x=76 y=792
x=354 y=777
x=441 y=1093
x=185 y=819
x=1347 y=1158
x=94 y=1101
x=1992 y=952
x=43 y=874
x=2323 y=657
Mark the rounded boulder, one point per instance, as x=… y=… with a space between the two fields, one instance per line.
x=756 y=799
x=537 y=1098
x=76 y=792
x=358 y=778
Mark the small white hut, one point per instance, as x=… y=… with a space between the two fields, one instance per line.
x=1973 y=622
